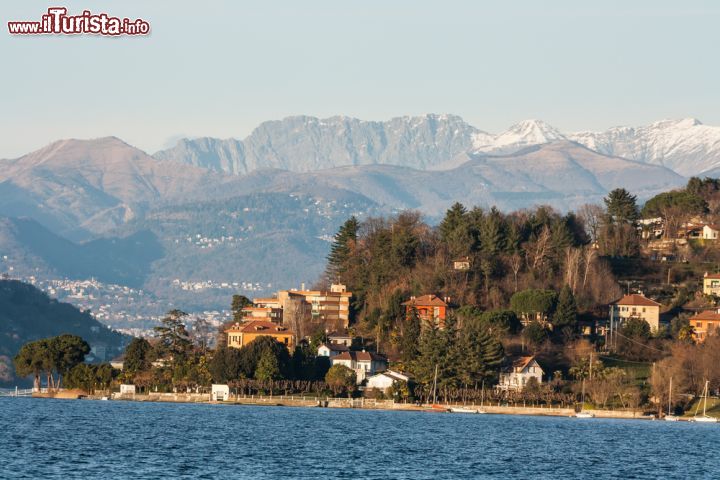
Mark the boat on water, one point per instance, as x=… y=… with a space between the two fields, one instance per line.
x=670 y=417
x=464 y=410
x=104 y=398
x=705 y=418
x=582 y=413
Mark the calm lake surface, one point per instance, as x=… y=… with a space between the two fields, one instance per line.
x=94 y=439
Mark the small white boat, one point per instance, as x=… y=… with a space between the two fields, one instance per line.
x=104 y=398
x=584 y=415
x=463 y=410
x=704 y=418
x=670 y=417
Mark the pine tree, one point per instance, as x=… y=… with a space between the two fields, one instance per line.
x=341 y=250
x=454 y=218
x=566 y=311
x=621 y=206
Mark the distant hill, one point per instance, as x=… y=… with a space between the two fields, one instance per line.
x=84 y=187
x=32 y=248
x=28 y=314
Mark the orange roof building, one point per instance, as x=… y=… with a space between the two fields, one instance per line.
x=240 y=335
x=430 y=308
x=705 y=323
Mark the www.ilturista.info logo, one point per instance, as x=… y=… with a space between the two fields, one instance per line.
x=58 y=22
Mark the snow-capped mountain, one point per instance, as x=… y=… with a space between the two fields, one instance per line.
x=437 y=142
x=519 y=136
x=685 y=146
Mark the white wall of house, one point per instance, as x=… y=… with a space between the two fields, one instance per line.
x=220 y=393
x=516 y=380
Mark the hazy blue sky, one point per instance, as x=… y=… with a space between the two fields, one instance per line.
x=220 y=68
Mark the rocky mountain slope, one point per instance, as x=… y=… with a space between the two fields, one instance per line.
x=304 y=144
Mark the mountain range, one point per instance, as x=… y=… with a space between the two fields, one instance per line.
x=304 y=144
x=264 y=208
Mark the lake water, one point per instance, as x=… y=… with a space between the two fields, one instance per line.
x=111 y=440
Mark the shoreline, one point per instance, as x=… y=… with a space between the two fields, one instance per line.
x=359 y=404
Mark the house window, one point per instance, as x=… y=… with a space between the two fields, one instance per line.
x=699 y=324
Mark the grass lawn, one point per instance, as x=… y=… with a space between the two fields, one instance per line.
x=713 y=407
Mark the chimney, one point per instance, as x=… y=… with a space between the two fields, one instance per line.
x=302 y=287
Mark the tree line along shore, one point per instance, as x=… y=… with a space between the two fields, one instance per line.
x=532 y=284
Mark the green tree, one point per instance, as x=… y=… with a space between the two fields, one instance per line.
x=268 y=367
x=31 y=360
x=566 y=311
x=174 y=337
x=340 y=378
x=534 y=304
x=410 y=337
x=500 y=322
x=226 y=365
x=238 y=303
x=481 y=353
x=534 y=334
x=621 y=206
x=137 y=356
x=636 y=328
x=341 y=251
x=251 y=354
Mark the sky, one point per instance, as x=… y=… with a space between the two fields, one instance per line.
x=219 y=68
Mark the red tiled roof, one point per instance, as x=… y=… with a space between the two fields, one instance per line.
x=712 y=276
x=426 y=301
x=260 y=326
x=707 y=315
x=637 y=301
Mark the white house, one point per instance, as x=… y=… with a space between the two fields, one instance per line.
x=384 y=380
x=126 y=389
x=340 y=338
x=518 y=371
x=331 y=349
x=220 y=393
x=710 y=232
x=363 y=363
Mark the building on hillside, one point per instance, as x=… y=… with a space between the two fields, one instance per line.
x=341 y=338
x=710 y=232
x=651 y=228
x=711 y=284
x=636 y=306
x=364 y=364
x=241 y=334
x=518 y=371
x=328 y=308
x=384 y=380
x=268 y=309
x=461 y=264
x=332 y=349
x=430 y=308
x=704 y=324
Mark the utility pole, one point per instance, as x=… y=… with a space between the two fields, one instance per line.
x=435 y=385
x=591 y=362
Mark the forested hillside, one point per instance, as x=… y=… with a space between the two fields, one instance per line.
x=28 y=314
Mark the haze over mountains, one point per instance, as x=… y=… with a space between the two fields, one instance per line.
x=263 y=209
